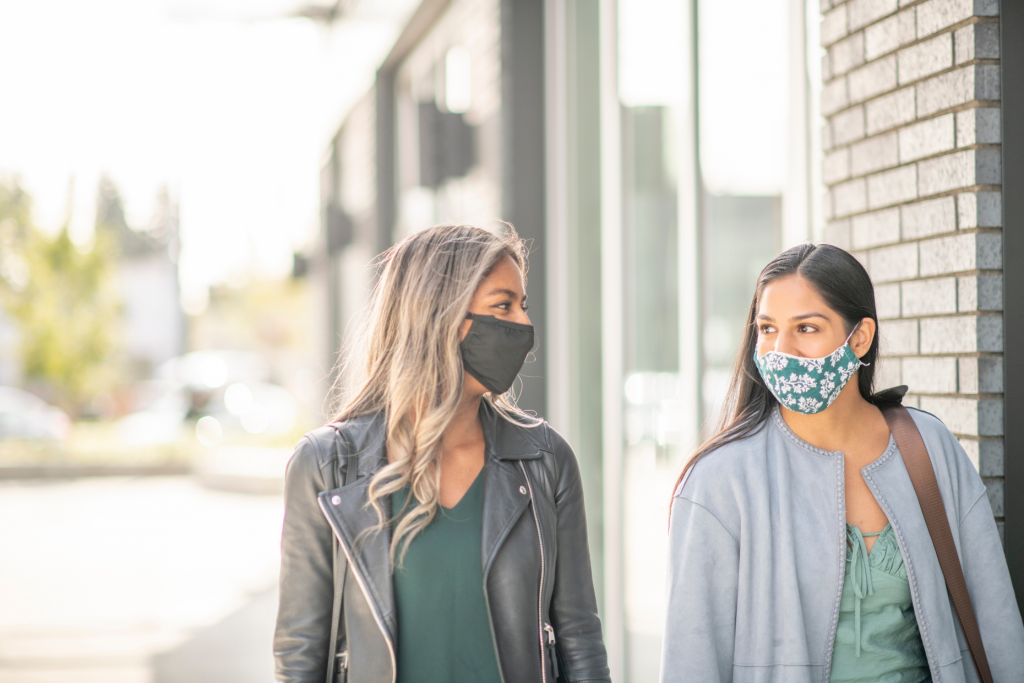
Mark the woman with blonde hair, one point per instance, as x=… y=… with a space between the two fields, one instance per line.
x=433 y=531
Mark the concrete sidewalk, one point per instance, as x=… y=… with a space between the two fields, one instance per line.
x=236 y=650
x=136 y=580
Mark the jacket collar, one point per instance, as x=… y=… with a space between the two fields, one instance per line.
x=504 y=440
x=507 y=440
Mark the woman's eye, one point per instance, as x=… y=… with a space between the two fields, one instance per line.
x=503 y=306
x=525 y=307
x=806 y=329
x=766 y=329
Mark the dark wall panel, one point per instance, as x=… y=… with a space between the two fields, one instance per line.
x=386 y=202
x=523 y=182
x=1012 y=88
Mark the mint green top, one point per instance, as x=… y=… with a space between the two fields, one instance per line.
x=444 y=632
x=877 y=639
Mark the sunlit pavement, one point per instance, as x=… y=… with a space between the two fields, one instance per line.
x=649 y=482
x=136 y=580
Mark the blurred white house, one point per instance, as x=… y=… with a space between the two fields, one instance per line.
x=153 y=323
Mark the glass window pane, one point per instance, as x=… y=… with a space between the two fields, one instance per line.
x=744 y=105
x=652 y=52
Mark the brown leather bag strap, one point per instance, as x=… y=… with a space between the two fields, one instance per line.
x=922 y=475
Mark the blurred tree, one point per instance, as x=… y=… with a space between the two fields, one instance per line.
x=15 y=204
x=62 y=299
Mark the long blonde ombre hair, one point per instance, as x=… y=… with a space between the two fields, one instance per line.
x=405 y=361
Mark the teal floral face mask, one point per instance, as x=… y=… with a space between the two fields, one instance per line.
x=808 y=385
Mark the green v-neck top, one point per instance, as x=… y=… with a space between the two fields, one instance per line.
x=444 y=633
x=877 y=639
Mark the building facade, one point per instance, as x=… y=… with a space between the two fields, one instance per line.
x=914 y=167
x=657 y=154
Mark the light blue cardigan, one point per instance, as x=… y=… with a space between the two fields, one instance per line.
x=758 y=550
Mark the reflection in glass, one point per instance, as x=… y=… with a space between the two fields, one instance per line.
x=744 y=109
x=743 y=100
x=652 y=46
x=742 y=233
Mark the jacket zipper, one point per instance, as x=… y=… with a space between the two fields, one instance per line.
x=341 y=667
x=540 y=592
x=551 y=650
x=369 y=602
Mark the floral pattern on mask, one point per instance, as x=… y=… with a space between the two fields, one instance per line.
x=813 y=364
x=807 y=385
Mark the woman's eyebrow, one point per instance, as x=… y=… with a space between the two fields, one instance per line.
x=507 y=292
x=805 y=316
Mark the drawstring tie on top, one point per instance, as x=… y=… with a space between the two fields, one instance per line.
x=860 y=574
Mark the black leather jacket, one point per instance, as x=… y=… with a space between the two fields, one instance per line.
x=537 y=577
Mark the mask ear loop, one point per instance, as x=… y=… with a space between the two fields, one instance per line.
x=848 y=337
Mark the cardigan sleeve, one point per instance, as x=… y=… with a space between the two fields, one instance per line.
x=703 y=575
x=988 y=583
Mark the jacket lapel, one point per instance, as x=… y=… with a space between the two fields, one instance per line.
x=506 y=492
x=348 y=511
x=504 y=502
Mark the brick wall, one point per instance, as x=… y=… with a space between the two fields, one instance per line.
x=912 y=163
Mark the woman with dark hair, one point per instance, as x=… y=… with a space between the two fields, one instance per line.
x=798 y=548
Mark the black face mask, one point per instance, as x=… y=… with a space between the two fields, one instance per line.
x=494 y=351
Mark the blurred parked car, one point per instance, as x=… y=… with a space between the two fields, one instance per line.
x=203 y=371
x=226 y=392
x=26 y=416
x=161 y=407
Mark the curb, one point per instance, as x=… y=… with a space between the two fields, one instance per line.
x=76 y=471
x=243 y=469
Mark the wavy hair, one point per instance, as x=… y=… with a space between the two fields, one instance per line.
x=405 y=361
x=846 y=287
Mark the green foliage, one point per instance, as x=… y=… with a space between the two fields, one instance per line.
x=63 y=301
x=15 y=204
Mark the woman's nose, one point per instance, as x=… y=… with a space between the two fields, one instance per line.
x=521 y=317
x=784 y=343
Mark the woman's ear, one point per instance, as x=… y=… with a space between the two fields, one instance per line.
x=861 y=340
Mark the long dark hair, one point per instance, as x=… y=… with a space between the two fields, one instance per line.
x=845 y=286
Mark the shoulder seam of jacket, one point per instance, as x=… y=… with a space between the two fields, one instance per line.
x=313 y=444
x=322 y=460
x=316 y=452
x=984 y=493
x=708 y=510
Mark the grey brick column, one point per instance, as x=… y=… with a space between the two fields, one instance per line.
x=913 y=168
